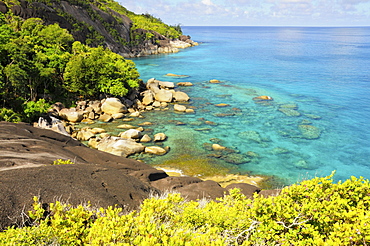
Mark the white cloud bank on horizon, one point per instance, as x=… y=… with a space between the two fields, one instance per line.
x=255 y=12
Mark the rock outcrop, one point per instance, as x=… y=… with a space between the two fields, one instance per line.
x=27 y=155
x=93 y=21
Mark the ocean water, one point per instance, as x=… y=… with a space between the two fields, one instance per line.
x=317 y=122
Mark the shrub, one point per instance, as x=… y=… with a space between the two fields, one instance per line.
x=9 y=115
x=63 y=162
x=33 y=110
x=314 y=212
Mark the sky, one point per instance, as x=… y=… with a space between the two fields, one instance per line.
x=255 y=12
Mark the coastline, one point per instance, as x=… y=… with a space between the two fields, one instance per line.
x=182 y=152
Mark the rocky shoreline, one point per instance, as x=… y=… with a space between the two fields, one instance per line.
x=52 y=166
x=51 y=162
x=136 y=139
x=164 y=47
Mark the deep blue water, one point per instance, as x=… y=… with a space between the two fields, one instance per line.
x=323 y=72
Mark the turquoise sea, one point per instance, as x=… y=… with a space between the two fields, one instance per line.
x=318 y=121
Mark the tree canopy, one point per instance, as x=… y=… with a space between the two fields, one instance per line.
x=94 y=70
x=43 y=61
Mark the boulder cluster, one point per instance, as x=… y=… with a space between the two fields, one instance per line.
x=159 y=95
x=166 y=46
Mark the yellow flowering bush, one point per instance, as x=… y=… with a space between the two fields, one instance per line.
x=314 y=212
x=63 y=162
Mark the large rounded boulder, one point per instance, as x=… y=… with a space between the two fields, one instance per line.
x=113 y=106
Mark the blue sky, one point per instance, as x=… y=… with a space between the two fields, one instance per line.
x=255 y=12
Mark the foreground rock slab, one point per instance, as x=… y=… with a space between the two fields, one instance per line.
x=27 y=155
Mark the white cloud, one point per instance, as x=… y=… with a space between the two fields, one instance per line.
x=208 y=2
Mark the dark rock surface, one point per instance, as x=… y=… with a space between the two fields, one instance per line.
x=247 y=189
x=26 y=155
x=26 y=170
x=3 y=7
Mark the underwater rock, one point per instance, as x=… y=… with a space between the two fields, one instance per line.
x=306 y=122
x=207 y=146
x=147 y=123
x=216 y=140
x=252 y=154
x=204 y=129
x=207 y=122
x=309 y=131
x=196 y=123
x=251 y=135
x=214 y=81
x=279 y=150
x=224 y=114
x=290 y=106
x=214 y=155
x=302 y=164
x=235 y=158
x=289 y=112
x=313 y=116
x=236 y=109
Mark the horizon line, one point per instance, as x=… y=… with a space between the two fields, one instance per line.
x=275 y=26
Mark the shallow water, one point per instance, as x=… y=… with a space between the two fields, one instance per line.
x=318 y=76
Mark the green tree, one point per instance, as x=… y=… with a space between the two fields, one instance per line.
x=91 y=71
x=38 y=55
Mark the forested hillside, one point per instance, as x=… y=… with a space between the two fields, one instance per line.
x=55 y=50
x=94 y=23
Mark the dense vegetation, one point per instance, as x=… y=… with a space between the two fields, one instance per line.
x=93 y=38
x=41 y=63
x=144 y=21
x=314 y=212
